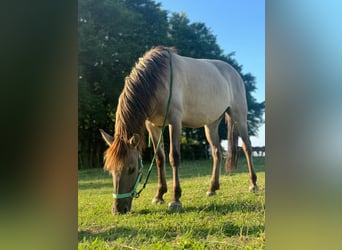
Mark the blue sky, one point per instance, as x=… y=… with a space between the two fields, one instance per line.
x=239 y=25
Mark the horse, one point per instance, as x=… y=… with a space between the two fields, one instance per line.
x=203 y=92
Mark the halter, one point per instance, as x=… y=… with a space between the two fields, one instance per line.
x=134 y=193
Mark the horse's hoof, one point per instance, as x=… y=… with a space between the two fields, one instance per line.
x=253 y=188
x=175 y=206
x=157 y=201
x=210 y=193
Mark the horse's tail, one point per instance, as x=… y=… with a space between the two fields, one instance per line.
x=232 y=137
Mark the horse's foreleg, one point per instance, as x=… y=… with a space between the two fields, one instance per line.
x=162 y=186
x=175 y=133
x=154 y=133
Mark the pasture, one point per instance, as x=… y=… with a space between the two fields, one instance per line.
x=233 y=219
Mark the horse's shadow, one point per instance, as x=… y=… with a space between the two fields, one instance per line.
x=211 y=209
x=227 y=228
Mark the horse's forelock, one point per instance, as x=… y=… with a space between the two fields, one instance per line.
x=116 y=155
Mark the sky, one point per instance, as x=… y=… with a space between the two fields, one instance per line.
x=239 y=26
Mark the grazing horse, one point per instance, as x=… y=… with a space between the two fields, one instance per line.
x=203 y=92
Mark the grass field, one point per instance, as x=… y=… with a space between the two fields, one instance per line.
x=233 y=219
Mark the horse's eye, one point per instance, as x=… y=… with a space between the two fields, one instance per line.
x=131 y=171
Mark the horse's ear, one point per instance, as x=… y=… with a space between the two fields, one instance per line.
x=134 y=141
x=106 y=137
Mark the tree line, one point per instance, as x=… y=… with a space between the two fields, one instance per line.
x=112 y=35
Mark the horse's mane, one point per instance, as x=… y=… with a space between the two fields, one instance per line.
x=135 y=104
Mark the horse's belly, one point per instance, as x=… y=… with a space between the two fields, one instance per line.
x=196 y=118
x=204 y=105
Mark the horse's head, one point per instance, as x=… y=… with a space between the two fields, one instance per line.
x=122 y=161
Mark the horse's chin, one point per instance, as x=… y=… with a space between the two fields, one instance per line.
x=119 y=212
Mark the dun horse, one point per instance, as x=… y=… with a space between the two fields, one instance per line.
x=203 y=92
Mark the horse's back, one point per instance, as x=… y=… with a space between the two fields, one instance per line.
x=208 y=87
x=236 y=85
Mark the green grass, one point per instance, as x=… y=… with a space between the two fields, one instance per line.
x=233 y=219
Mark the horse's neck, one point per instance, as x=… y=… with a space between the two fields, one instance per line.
x=133 y=124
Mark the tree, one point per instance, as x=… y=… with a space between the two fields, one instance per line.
x=112 y=35
x=193 y=40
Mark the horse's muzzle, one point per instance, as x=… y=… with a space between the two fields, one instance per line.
x=122 y=206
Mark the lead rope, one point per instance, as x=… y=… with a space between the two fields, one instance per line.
x=136 y=194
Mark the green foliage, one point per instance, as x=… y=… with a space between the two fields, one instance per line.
x=112 y=35
x=233 y=219
x=193 y=40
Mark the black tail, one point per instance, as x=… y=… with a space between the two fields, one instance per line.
x=232 y=137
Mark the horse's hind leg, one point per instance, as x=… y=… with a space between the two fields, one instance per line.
x=247 y=149
x=211 y=132
x=154 y=133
